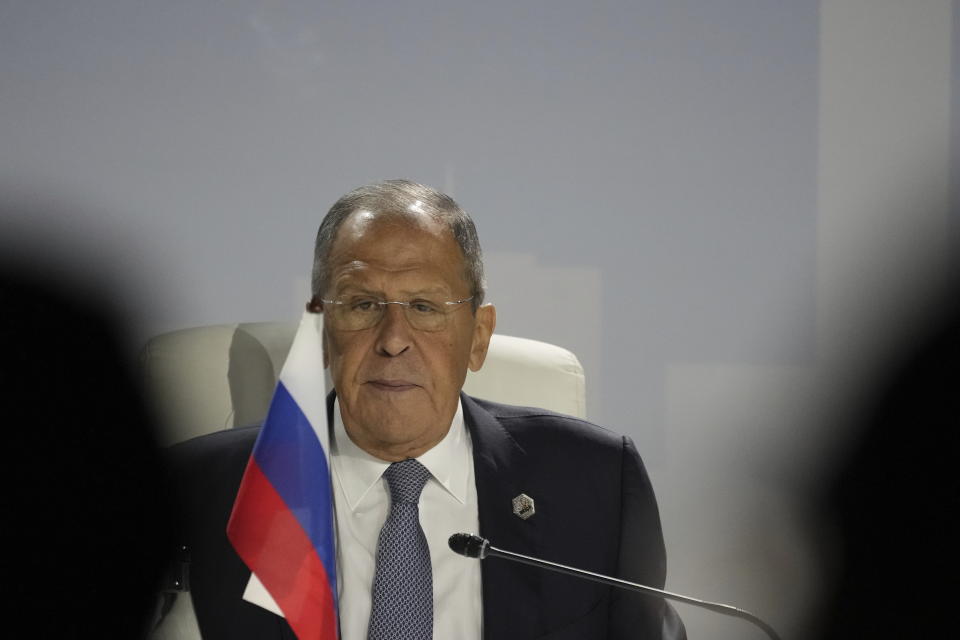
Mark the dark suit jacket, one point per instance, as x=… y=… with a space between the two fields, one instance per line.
x=595 y=509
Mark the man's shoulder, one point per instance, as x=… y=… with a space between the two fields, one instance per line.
x=225 y=451
x=217 y=440
x=533 y=424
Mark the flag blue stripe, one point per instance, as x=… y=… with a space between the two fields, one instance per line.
x=292 y=458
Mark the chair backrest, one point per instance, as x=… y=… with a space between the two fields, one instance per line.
x=222 y=376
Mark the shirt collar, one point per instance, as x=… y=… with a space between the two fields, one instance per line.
x=448 y=461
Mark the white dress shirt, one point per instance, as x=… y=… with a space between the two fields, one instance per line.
x=448 y=505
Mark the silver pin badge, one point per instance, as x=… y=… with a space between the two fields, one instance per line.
x=523 y=506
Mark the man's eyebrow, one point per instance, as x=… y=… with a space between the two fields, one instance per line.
x=427 y=291
x=357 y=289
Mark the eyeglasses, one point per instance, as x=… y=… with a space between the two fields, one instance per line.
x=356 y=313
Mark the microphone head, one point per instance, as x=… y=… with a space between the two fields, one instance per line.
x=467 y=544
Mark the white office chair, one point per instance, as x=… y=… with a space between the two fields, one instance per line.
x=217 y=377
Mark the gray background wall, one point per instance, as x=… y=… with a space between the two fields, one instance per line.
x=721 y=206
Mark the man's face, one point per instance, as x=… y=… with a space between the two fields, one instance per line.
x=398 y=387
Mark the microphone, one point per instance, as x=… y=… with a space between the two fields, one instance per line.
x=472 y=546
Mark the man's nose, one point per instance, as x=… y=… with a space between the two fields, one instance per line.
x=394 y=333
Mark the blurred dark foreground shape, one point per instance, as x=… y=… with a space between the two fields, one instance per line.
x=894 y=502
x=85 y=524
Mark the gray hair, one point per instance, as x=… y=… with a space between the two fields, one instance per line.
x=397 y=197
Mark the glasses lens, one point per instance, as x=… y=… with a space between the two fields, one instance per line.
x=425 y=315
x=355 y=314
x=359 y=313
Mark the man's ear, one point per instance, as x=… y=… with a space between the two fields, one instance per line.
x=315 y=306
x=326 y=349
x=486 y=322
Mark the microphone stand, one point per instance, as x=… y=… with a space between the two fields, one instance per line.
x=480 y=548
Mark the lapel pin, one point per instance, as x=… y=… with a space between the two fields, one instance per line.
x=523 y=506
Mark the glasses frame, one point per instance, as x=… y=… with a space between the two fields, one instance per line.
x=407 y=305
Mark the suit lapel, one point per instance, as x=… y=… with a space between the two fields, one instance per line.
x=511 y=592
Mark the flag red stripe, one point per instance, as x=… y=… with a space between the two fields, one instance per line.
x=272 y=543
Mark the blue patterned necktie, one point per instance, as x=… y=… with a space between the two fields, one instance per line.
x=402 y=597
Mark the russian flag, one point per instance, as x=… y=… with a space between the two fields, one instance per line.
x=282 y=524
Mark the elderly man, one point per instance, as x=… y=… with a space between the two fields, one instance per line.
x=399 y=278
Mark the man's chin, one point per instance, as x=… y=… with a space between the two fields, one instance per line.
x=393 y=398
x=396 y=440
x=396 y=411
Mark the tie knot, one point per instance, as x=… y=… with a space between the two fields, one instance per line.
x=406 y=479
